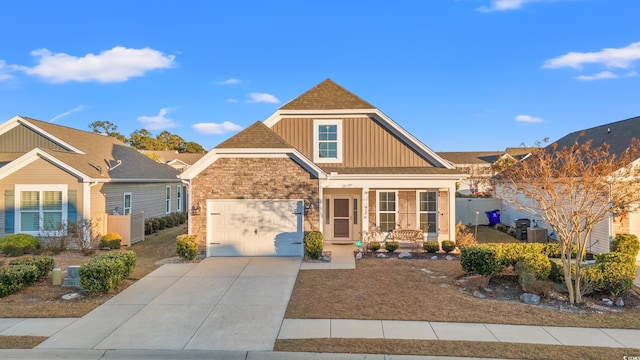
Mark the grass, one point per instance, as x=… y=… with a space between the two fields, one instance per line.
x=490 y=235
x=20 y=342
x=454 y=348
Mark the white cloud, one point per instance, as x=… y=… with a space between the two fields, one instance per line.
x=230 y=81
x=598 y=76
x=159 y=121
x=610 y=57
x=262 y=98
x=116 y=65
x=528 y=119
x=504 y=5
x=66 y=113
x=5 y=71
x=215 y=128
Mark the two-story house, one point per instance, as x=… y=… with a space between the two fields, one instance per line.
x=327 y=161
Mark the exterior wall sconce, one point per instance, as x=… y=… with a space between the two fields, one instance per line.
x=308 y=206
x=195 y=210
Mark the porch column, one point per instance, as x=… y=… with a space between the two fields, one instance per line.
x=365 y=212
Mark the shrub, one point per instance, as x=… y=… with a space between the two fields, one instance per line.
x=553 y=251
x=511 y=253
x=25 y=243
x=391 y=246
x=13 y=251
x=187 y=246
x=105 y=272
x=464 y=237
x=111 y=241
x=448 y=246
x=162 y=223
x=613 y=273
x=44 y=264
x=626 y=243
x=170 y=221
x=14 y=278
x=373 y=246
x=313 y=244
x=431 y=246
x=531 y=267
x=480 y=259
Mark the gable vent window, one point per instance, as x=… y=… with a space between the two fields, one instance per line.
x=327 y=135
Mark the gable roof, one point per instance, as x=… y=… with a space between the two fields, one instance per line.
x=327 y=96
x=96 y=157
x=617 y=135
x=483 y=157
x=169 y=156
x=257 y=135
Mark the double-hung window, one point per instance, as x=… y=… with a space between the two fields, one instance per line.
x=179 y=198
x=126 y=208
x=327 y=136
x=428 y=211
x=41 y=208
x=167 y=200
x=387 y=210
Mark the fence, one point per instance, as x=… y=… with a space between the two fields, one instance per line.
x=466 y=209
x=130 y=227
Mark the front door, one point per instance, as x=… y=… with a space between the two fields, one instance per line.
x=341 y=219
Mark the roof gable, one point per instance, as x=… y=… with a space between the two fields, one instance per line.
x=257 y=135
x=617 y=135
x=327 y=96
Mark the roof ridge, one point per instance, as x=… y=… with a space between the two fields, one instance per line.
x=257 y=135
x=327 y=95
x=108 y=138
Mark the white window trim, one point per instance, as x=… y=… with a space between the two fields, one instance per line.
x=124 y=203
x=178 y=197
x=167 y=199
x=418 y=212
x=396 y=192
x=40 y=188
x=316 y=142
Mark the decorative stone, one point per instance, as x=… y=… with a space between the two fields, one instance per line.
x=479 y=295
x=531 y=299
x=434 y=257
x=73 y=277
x=69 y=296
x=325 y=258
x=381 y=256
x=605 y=301
x=449 y=257
x=359 y=256
x=620 y=302
x=488 y=289
x=426 y=271
x=404 y=255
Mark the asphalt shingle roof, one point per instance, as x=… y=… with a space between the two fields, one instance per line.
x=617 y=135
x=327 y=96
x=257 y=135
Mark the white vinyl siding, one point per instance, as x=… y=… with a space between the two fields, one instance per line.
x=327 y=141
x=148 y=197
x=387 y=210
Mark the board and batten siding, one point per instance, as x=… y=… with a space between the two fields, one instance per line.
x=147 y=197
x=365 y=143
x=22 y=139
x=39 y=172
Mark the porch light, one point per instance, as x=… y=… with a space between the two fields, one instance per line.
x=195 y=210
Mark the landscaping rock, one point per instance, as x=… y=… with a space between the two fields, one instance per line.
x=531 y=299
x=434 y=258
x=404 y=255
x=382 y=256
x=69 y=296
x=426 y=270
x=605 y=301
x=359 y=256
x=488 y=289
x=449 y=257
x=325 y=258
x=479 y=295
x=620 y=302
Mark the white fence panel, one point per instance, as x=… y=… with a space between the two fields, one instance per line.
x=466 y=209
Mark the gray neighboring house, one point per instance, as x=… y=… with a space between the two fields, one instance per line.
x=175 y=159
x=52 y=175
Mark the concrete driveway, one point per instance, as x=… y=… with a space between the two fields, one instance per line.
x=217 y=304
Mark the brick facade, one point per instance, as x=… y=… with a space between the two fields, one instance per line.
x=253 y=178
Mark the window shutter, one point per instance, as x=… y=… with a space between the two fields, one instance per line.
x=72 y=209
x=443 y=209
x=9 y=211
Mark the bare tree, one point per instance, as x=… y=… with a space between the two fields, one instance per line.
x=573 y=188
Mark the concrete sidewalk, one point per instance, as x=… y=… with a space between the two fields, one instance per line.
x=425 y=330
x=342 y=257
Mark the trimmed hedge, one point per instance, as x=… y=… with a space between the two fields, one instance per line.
x=391 y=246
x=111 y=240
x=626 y=243
x=448 y=246
x=537 y=266
x=44 y=264
x=313 y=244
x=105 y=272
x=18 y=244
x=24 y=272
x=431 y=246
x=153 y=225
x=613 y=273
x=480 y=259
x=187 y=246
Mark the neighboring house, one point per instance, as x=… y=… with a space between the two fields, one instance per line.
x=618 y=135
x=178 y=161
x=52 y=176
x=482 y=165
x=326 y=161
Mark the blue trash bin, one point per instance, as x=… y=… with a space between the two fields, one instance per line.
x=494 y=217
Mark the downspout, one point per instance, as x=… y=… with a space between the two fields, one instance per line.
x=189 y=206
x=86 y=207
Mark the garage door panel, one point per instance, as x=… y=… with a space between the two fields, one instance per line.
x=254 y=228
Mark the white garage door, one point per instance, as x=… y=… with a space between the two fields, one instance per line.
x=255 y=228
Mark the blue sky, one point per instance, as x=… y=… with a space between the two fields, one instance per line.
x=461 y=75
